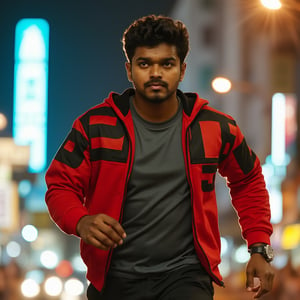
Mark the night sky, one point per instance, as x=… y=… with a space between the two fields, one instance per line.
x=86 y=60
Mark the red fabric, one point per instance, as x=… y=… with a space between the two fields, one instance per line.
x=93 y=187
x=108 y=143
x=69 y=146
x=107 y=120
x=211 y=146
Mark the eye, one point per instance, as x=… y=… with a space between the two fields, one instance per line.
x=143 y=64
x=168 y=64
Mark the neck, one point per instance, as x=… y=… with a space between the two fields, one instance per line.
x=156 y=112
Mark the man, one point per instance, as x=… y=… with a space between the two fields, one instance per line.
x=134 y=180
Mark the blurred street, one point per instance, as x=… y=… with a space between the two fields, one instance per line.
x=244 y=58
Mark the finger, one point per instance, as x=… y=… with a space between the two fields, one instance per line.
x=98 y=244
x=249 y=280
x=107 y=240
x=116 y=226
x=100 y=239
x=265 y=285
x=255 y=289
x=269 y=278
x=260 y=293
x=110 y=235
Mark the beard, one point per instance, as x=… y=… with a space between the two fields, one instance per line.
x=156 y=96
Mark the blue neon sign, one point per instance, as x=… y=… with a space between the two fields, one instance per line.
x=31 y=89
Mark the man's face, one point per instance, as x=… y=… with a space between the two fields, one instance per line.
x=155 y=72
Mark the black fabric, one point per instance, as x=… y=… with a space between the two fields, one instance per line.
x=188 y=101
x=157 y=211
x=245 y=157
x=75 y=157
x=188 y=283
x=121 y=100
x=196 y=142
x=116 y=131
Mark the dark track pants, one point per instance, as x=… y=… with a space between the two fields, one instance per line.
x=188 y=283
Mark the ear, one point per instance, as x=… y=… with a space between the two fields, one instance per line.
x=182 y=71
x=128 y=71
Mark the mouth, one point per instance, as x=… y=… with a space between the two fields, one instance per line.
x=154 y=85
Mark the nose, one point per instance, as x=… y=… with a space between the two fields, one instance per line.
x=155 y=71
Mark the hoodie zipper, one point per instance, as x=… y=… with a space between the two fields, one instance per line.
x=187 y=158
x=123 y=201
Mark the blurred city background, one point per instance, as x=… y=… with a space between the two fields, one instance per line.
x=59 y=58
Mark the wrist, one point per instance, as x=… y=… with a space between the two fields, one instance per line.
x=265 y=250
x=78 y=224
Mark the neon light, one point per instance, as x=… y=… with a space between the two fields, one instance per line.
x=278 y=151
x=276 y=202
x=31 y=89
x=284 y=129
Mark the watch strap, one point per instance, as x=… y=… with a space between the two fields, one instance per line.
x=257 y=249
x=265 y=250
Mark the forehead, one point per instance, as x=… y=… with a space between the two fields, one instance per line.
x=161 y=51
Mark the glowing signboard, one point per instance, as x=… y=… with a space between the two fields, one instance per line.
x=31 y=89
x=284 y=129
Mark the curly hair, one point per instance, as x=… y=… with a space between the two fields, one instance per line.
x=153 y=30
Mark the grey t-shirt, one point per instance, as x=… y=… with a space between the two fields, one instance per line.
x=157 y=212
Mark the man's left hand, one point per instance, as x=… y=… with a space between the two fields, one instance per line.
x=258 y=267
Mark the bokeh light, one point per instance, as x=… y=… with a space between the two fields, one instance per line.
x=49 y=259
x=24 y=187
x=74 y=287
x=241 y=254
x=29 y=233
x=30 y=288
x=53 y=286
x=78 y=264
x=221 y=85
x=64 y=269
x=224 y=246
x=3 y=121
x=13 y=249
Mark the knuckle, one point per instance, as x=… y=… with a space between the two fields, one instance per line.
x=88 y=237
x=113 y=221
x=106 y=241
x=110 y=231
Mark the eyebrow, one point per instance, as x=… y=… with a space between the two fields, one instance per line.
x=171 y=58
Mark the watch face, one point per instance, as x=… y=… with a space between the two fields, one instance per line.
x=269 y=252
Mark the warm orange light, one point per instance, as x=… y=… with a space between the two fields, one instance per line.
x=221 y=85
x=64 y=269
x=271 y=4
x=3 y=121
x=291 y=237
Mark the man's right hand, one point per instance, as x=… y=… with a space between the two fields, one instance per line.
x=101 y=231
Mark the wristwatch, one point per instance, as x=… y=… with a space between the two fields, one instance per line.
x=265 y=250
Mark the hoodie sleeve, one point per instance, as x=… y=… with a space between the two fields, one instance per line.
x=67 y=179
x=248 y=191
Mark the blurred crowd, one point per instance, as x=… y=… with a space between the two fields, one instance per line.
x=11 y=277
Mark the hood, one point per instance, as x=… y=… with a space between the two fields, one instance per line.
x=191 y=102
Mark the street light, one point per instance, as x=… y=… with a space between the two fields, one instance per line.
x=221 y=85
x=271 y=4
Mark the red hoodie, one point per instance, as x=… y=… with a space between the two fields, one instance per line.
x=90 y=172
